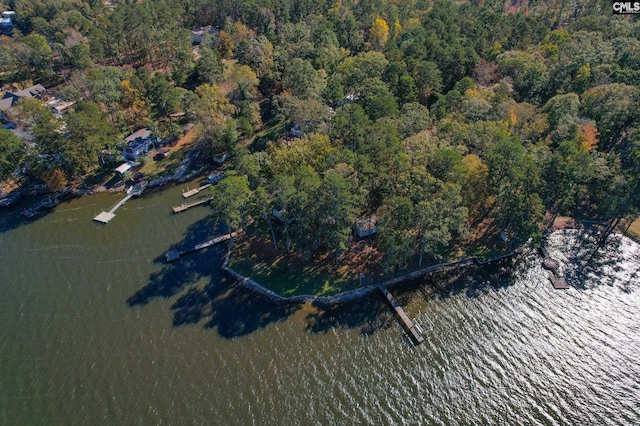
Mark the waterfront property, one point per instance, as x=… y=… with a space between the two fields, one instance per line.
x=138 y=144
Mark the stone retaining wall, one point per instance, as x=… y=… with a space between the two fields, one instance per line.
x=351 y=295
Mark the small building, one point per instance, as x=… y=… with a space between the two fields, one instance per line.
x=198 y=35
x=138 y=144
x=124 y=167
x=296 y=131
x=366 y=226
x=215 y=177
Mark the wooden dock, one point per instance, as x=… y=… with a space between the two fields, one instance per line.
x=185 y=206
x=173 y=255
x=404 y=319
x=47 y=203
x=134 y=191
x=189 y=193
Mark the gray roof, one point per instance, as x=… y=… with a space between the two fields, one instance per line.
x=6 y=103
x=31 y=92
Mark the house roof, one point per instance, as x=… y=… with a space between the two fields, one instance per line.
x=31 y=92
x=367 y=223
x=142 y=134
x=6 y=103
x=124 y=167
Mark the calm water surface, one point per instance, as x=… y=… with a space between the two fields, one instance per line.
x=95 y=329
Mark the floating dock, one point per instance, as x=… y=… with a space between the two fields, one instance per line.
x=173 y=255
x=185 y=206
x=189 y=193
x=404 y=319
x=134 y=191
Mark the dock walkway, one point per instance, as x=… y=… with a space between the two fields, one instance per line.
x=185 y=206
x=404 y=319
x=173 y=255
x=192 y=192
x=134 y=191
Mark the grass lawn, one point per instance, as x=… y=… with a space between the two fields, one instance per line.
x=154 y=169
x=634 y=230
x=290 y=274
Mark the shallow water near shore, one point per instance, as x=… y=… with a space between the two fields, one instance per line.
x=96 y=329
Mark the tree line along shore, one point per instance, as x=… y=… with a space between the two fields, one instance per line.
x=450 y=129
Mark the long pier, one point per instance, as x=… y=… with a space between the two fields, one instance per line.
x=192 y=192
x=185 y=206
x=173 y=255
x=404 y=319
x=134 y=191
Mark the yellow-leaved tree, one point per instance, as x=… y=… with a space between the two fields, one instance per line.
x=379 y=33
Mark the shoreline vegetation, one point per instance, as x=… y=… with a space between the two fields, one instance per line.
x=267 y=286
x=448 y=130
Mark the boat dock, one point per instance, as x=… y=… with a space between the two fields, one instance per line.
x=185 y=206
x=173 y=255
x=48 y=203
x=189 y=193
x=134 y=191
x=404 y=319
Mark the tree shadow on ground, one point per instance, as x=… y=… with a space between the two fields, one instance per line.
x=369 y=313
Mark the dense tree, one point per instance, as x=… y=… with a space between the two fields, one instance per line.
x=12 y=153
x=231 y=202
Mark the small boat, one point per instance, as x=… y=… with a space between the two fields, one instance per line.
x=29 y=212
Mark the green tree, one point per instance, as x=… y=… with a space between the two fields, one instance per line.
x=209 y=68
x=438 y=218
x=514 y=181
x=231 y=202
x=12 y=153
x=395 y=223
x=88 y=132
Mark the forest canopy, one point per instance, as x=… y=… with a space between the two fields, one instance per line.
x=435 y=117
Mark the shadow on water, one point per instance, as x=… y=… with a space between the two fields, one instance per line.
x=369 y=314
x=204 y=294
x=11 y=217
x=473 y=282
x=591 y=263
x=174 y=277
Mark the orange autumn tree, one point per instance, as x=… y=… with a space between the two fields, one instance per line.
x=587 y=137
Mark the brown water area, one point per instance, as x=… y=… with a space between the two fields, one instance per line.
x=97 y=329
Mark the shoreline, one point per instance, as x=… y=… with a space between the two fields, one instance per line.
x=360 y=292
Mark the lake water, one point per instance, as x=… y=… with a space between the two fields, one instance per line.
x=96 y=329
